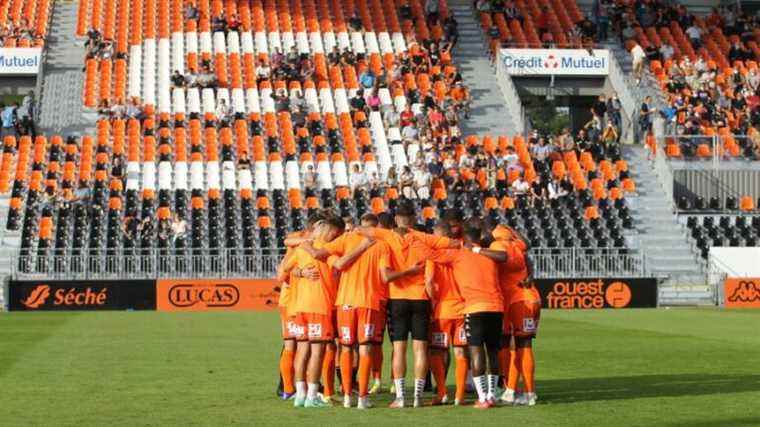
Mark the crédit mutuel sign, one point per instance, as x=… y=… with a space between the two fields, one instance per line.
x=560 y=62
x=20 y=61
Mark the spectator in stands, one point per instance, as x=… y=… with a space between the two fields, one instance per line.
x=8 y=119
x=666 y=51
x=638 y=56
x=263 y=72
x=646 y=112
x=555 y=190
x=652 y=53
x=178 y=80
x=695 y=35
x=422 y=180
x=512 y=12
x=602 y=19
x=431 y=12
x=206 y=78
x=93 y=39
x=357 y=179
x=367 y=79
x=610 y=135
x=191 y=12
x=406 y=183
x=520 y=189
x=405 y=10
x=25 y=114
x=737 y=52
x=224 y=113
x=104 y=110
x=118 y=109
x=451 y=31
x=134 y=111
x=357 y=102
x=355 y=23
x=309 y=178
x=219 y=23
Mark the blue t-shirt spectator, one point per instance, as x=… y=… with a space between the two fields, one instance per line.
x=367 y=79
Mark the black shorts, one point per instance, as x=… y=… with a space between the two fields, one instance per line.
x=484 y=328
x=408 y=316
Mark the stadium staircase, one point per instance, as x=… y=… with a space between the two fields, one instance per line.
x=662 y=238
x=61 y=110
x=491 y=112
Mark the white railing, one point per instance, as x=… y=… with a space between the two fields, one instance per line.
x=662 y=167
x=586 y=262
x=159 y=263
x=628 y=102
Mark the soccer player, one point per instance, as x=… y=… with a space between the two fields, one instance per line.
x=447 y=325
x=476 y=275
x=316 y=286
x=511 y=273
x=286 y=315
x=358 y=304
x=408 y=306
x=524 y=314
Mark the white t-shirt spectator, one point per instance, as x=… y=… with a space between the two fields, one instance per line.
x=694 y=32
x=666 y=51
x=520 y=186
x=638 y=54
x=422 y=180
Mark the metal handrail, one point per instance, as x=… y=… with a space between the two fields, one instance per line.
x=158 y=263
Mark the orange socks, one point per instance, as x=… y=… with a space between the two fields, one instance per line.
x=377 y=362
x=461 y=377
x=514 y=373
x=328 y=371
x=527 y=368
x=286 y=370
x=346 y=370
x=439 y=372
x=365 y=364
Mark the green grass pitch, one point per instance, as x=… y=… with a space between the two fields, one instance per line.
x=678 y=367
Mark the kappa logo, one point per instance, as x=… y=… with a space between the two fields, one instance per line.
x=551 y=62
x=747 y=291
x=37 y=297
x=529 y=324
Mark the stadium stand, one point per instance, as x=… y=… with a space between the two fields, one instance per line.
x=23 y=23
x=223 y=125
x=708 y=69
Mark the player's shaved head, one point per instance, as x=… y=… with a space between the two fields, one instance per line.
x=369 y=220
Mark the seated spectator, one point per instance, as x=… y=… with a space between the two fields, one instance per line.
x=695 y=36
x=355 y=23
x=666 y=51
x=178 y=80
x=206 y=78
x=367 y=79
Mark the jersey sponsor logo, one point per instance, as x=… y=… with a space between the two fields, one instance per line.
x=315 y=330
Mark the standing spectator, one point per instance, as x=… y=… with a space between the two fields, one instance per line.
x=614 y=111
x=602 y=19
x=695 y=35
x=26 y=114
x=357 y=179
x=422 y=181
x=645 y=117
x=8 y=119
x=638 y=55
x=431 y=12
x=367 y=79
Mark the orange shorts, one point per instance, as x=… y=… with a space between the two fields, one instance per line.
x=288 y=325
x=447 y=332
x=523 y=318
x=381 y=320
x=315 y=327
x=358 y=325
